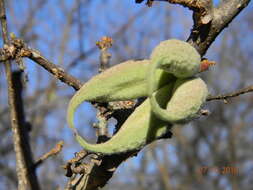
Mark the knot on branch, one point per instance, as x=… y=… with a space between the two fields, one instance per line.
x=14 y=50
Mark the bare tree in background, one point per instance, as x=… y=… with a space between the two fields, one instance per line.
x=33 y=123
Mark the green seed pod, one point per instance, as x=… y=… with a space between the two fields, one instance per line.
x=157 y=79
x=140 y=129
x=176 y=57
x=122 y=82
x=125 y=81
x=182 y=60
x=187 y=98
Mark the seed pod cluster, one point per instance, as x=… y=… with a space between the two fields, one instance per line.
x=167 y=79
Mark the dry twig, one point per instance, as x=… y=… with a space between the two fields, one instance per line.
x=231 y=94
x=54 y=151
x=18 y=49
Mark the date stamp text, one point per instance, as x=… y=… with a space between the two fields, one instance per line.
x=224 y=170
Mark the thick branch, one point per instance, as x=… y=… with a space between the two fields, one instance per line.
x=202 y=36
x=209 y=22
x=26 y=178
x=23 y=130
x=195 y=5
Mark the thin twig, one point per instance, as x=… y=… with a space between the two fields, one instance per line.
x=83 y=180
x=101 y=127
x=115 y=35
x=18 y=49
x=25 y=179
x=105 y=56
x=54 y=151
x=231 y=94
x=58 y=72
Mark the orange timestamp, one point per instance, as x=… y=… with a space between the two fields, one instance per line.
x=223 y=170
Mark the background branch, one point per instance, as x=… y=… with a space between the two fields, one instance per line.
x=26 y=177
x=54 y=151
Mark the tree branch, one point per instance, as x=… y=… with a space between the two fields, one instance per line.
x=26 y=178
x=24 y=128
x=231 y=94
x=18 y=49
x=58 y=72
x=203 y=35
x=52 y=152
x=209 y=22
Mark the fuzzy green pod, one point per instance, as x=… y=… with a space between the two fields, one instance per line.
x=168 y=82
x=125 y=81
x=187 y=98
x=176 y=57
x=182 y=60
x=141 y=128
